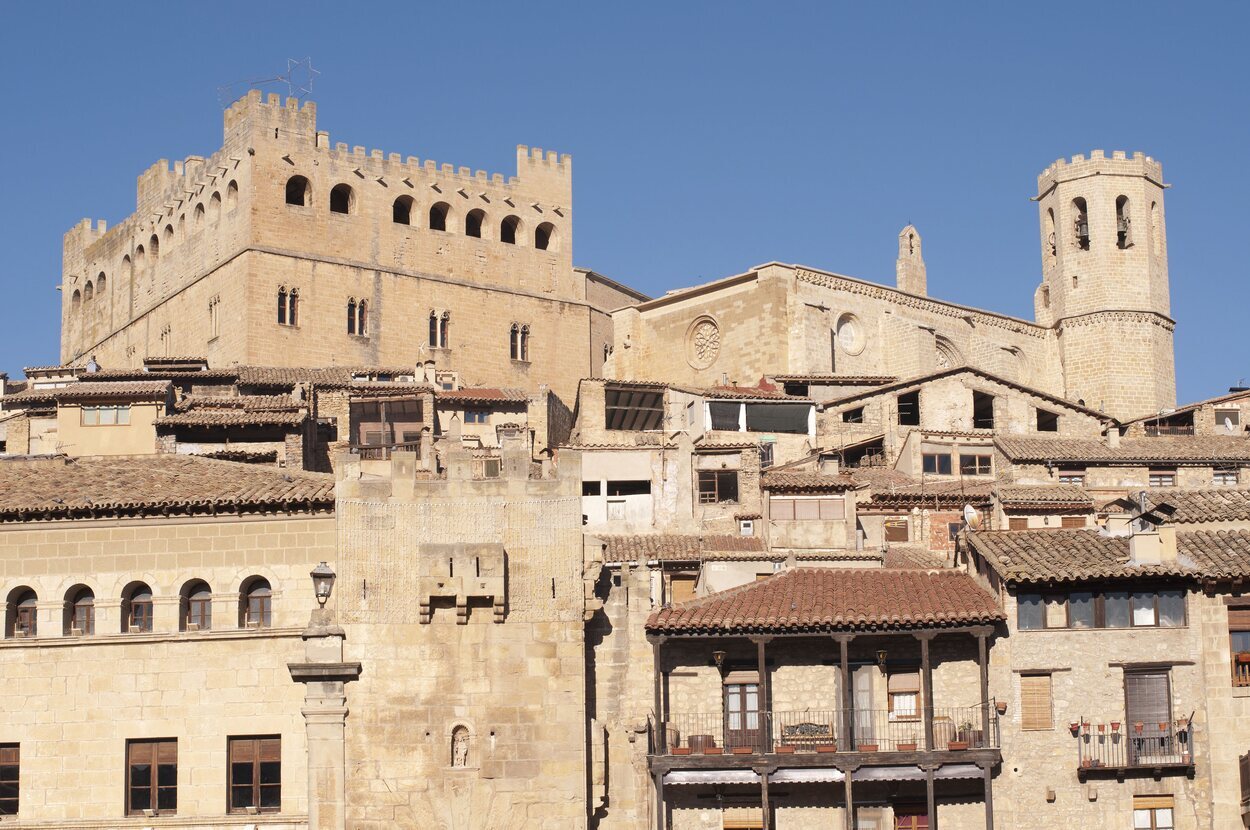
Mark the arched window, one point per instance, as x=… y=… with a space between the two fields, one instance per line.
x=195 y=606
x=438 y=216
x=298 y=191
x=514 y=342
x=154 y=247
x=182 y=225
x=1050 y=236
x=232 y=195
x=88 y=292
x=1156 y=229
x=75 y=303
x=1123 y=223
x=101 y=283
x=292 y=308
x=1045 y=296
x=1075 y=281
x=362 y=318
x=79 y=611
x=1080 y=223
x=508 y=229
x=21 y=618
x=136 y=608
x=214 y=208
x=525 y=343
x=341 y=199
x=433 y=330
x=169 y=234
x=444 y=330
x=473 y=223
x=401 y=211
x=199 y=215
x=545 y=237
x=256 y=603
x=140 y=259
x=607 y=352
x=351 y=316
x=282 y=299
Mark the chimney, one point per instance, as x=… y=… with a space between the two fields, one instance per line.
x=829 y=465
x=1113 y=437
x=1167 y=544
x=1146 y=548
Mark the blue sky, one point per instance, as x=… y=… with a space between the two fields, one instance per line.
x=707 y=137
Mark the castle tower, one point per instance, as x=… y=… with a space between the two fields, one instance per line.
x=909 y=267
x=1105 y=281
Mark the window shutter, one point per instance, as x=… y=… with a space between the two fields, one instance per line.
x=806 y=510
x=832 y=509
x=1035 y=702
x=1072 y=521
x=903 y=682
x=270 y=749
x=1017 y=523
x=1239 y=619
x=1146 y=698
x=781 y=510
x=167 y=752
x=681 y=587
x=9 y=755
x=1153 y=802
x=742 y=677
x=242 y=751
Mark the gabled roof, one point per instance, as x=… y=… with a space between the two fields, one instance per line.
x=1189 y=407
x=204 y=417
x=1217 y=504
x=137 y=390
x=36 y=489
x=1072 y=555
x=826 y=600
x=1173 y=448
x=958 y=370
x=481 y=396
x=323 y=376
x=950 y=494
x=1024 y=496
x=680 y=547
x=805 y=481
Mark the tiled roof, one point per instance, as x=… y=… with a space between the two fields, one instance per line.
x=12 y=387
x=743 y=393
x=325 y=376
x=801 y=481
x=232 y=418
x=161 y=374
x=880 y=478
x=1071 y=555
x=67 y=369
x=951 y=493
x=1218 y=399
x=1021 y=496
x=675 y=547
x=815 y=600
x=836 y=380
x=135 y=390
x=1218 y=504
x=61 y=488
x=1173 y=448
x=251 y=403
x=912 y=556
x=481 y=396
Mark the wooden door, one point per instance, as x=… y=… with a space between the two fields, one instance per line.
x=742 y=714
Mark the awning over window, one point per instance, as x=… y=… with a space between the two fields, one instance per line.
x=813 y=775
x=711 y=776
x=944 y=772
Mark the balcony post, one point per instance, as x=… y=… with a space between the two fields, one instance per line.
x=931 y=806
x=765 y=739
x=983 y=665
x=848 y=739
x=988 y=771
x=926 y=670
x=764 y=811
x=850 y=804
x=660 y=715
x=661 y=819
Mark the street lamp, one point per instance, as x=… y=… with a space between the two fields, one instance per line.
x=323 y=583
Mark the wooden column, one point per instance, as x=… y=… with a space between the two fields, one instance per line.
x=927 y=680
x=931 y=807
x=764 y=807
x=983 y=664
x=988 y=769
x=660 y=726
x=765 y=737
x=846 y=740
x=661 y=818
x=850 y=804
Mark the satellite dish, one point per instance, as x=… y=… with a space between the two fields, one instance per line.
x=972 y=518
x=1228 y=424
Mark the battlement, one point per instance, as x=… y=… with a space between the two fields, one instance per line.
x=257 y=110
x=1120 y=163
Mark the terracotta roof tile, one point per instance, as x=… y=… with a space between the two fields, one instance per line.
x=951 y=493
x=912 y=556
x=1174 y=448
x=815 y=600
x=1217 y=504
x=61 y=488
x=1022 y=496
x=135 y=390
x=161 y=374
x=674 y=547
x=1218 y=399
x=251 y=403
x=204 y=417
x=325 y=376
x=836 y=380
x=481 y=396
x=800 y=481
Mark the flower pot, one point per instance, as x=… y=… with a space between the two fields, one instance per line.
x=783 y=749
x=1138 y=727
x=743 y=750
x=956 y=745
x=1086 y=763
x=1115 y=726
x=867 y=747
x=1075 y=727
x=1163 y=726
x=681 y=750
x=1243 y=657
x=1001 y=706
x=826 y=747
x=1102 y=727
x=907 y=747
x=713 y=750
x=1185 y=758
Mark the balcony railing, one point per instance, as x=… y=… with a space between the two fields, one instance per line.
x=381 y=452
x=1157 y=430
x=825 y=731
x=1135 y=745
x=1241 y=668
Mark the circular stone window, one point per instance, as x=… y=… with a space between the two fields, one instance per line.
x=851 y=334
x=703 y=343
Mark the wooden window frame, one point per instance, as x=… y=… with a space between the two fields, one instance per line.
x=1100 y=591
x=917 y=709
x=1156 y=476
x=139 y=614
x=938 y=458
x=160 y=750
x=264 y=749
x=477 y=416
x=712 y=495
x=10 y=776
x=978 y=462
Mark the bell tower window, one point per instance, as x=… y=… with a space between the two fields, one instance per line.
x=1123 y=224
x=1080 y=223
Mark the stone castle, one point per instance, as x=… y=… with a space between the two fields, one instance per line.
x=355 y=504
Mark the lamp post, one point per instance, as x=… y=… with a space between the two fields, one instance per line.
x=325 y=676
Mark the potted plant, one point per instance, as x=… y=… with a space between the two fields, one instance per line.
x=1115 y=726
x=783 y=749
x=1102 y=728
x=864 y=746
x=1138 y=726
x=906 y=746
x=1075 y=727
x=957 y=745
x=713 y=750
x=1001 y=706
x=681 y=750
x=1243 y=657
x=830 y=747
x=1163 y=726
x=743 y=750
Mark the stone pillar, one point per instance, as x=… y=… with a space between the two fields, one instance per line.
x=325 y=677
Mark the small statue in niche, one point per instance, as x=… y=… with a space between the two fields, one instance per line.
x=460 y=747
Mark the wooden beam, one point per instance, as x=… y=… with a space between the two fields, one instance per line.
x=767 y=822
x=848 y=739
x=931 y=806
x=927 y=680
x=983 y=665
x=989 y=796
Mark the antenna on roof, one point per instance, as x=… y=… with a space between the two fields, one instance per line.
x=298 y=78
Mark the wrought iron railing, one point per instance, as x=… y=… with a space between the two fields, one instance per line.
x=1157 y=430
x=381 y=452
x=1241 y=668
x=825 y=731
x=1126 y=745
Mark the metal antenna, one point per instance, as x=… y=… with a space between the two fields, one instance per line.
x=298 y=79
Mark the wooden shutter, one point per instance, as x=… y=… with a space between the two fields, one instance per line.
x=806 y=510
x=681 y=587
x=1153 y=802
x=166 y=752
x=896 y=530
x=1239 y=619
x=1035 y=702
x=1072 y=521
x=903 y=682
x=781 y=510
x=832 y=509
x=1017 y=523
x=9 y=754
x=1147 y=698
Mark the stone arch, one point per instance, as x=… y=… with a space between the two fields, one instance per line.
x=474 y=220
x=1123 y=223
x=154 y=247
x=1049 y=230
x=232 y=195
x=214 y=207
x=510 y=229
x=75 y=302
x=1156 y=229
x=461 y=739
x=298 y=191
x=401 y=210
x=342 y=199
x=545 y=237
x=195 y=605
x=1080 y=223
x=948 y=356
x=88 y=292
x=256 y=602
x=136 y=607
x=169 y=234
x=21 y=617
x=440 y=214
x=199 y=215
x=78 y=611
x=101 y=283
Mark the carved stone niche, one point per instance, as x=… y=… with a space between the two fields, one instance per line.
x=459 y=574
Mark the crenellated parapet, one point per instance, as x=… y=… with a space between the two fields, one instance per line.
x=1120 y=163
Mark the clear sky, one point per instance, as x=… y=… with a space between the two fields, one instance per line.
x=707 y=137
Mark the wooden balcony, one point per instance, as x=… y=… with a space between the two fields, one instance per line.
x=1150 y=748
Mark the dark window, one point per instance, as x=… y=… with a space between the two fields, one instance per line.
x=10 y=774
x=1030 y=612
x=591 y=488
x=1080 y=223
x=1123 y=226
x=21 y=619
x=629 y=488
x=1047 y=421
x=401 y=211
x=444 y=330
x=255 y=774
x=725 y=415
x=476 y=416
x=718 y=486
x=778 y=417
x=1162 y=477
x=766 y=455
x=632 y=408
x=975 y=465
x=1239 y=644
x=137 y=609
x=256 y=604
x=473 y=223
x=282 y=306
x=525 y=343
x=936 y=463
x=909 y=409
x=292 y=308
x=196 y=612
x=80 y=611
x=853 y=416
x=341 y=199
x=1088 y=608
x=508 y=228
x=351 y=316
x=297 y=190
x=982 y=411
x=152 y=776
x=544 y=236
x=433 y=330
x=438 y=216
x=514 y=342
x=362 y=318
